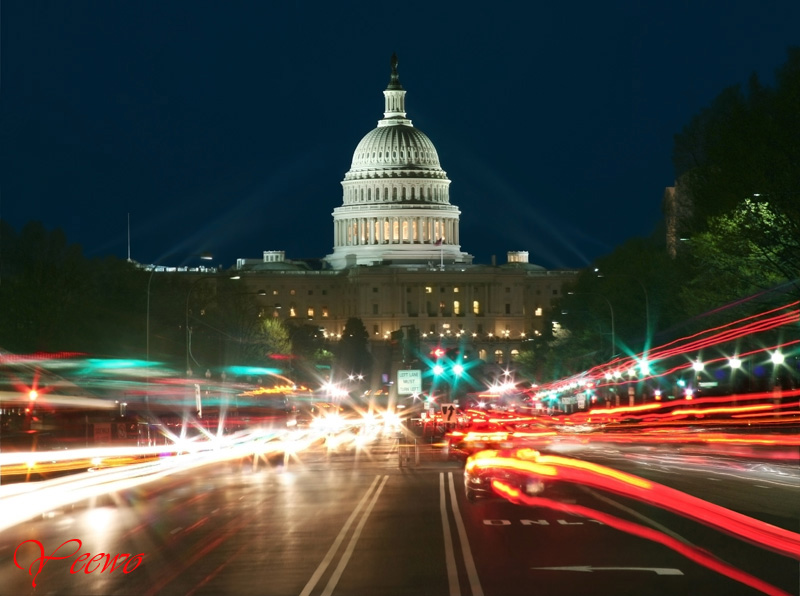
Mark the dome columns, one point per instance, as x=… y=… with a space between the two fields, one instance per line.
x=396 y=229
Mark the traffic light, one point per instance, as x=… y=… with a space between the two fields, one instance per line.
x=437 y=352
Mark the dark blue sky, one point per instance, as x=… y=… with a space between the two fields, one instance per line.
x=228 y=126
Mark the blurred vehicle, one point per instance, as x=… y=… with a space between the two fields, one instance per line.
x=483 y=467
x=477 y=437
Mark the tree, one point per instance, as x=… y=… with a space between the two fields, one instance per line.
x=52 y=298
x=273 y=340
x=745 y=146
x=352 y=354
x=311 y=351
x=745 y=252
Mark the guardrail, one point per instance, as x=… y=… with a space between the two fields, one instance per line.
x=417 y=453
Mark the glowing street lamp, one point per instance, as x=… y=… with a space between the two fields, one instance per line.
x=205 y=257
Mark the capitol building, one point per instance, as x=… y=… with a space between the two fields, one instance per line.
x=397 y=260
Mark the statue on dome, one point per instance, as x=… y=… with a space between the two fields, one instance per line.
x=394 y=80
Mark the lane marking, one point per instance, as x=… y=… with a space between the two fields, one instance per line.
x=469 y=562
x=449 y=555
x=352 y=544
x=590 y=569
x=335 y=546
x=640 y=516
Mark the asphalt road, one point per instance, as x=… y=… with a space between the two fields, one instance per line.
x=357 y=524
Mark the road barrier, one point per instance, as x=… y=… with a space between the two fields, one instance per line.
x=416 y=453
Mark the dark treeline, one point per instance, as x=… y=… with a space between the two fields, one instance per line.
x=735 y=221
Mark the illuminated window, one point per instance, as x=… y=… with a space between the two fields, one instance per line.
x=324 y=312
x=456 y=307
x=291 y=292
x=428 y=290
x=538 y=312
x=292 y=311
x=455 y=290
x=476 y=307
x=310 y=312
x=274 y=292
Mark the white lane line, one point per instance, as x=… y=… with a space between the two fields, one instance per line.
x=469 y=562
x=449 y=556
x=640 y=516
x=335 y=546
x=352 y=544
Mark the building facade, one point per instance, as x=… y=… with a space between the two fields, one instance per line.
x=397 y=260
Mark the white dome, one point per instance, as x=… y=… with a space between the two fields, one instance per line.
x=396 y=202
x=400 y=146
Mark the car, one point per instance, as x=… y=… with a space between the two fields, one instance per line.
x=484 y=467
x=461 y=445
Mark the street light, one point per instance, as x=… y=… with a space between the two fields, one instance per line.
x=610 y=308
x=189 y=355
x=205 y=257
x=646 y=297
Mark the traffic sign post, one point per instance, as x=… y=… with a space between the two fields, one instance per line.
x=409 y=382
x=449 y=415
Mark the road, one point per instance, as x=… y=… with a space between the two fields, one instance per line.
x=355 y=523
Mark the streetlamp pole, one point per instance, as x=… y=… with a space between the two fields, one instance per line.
x=611 y=309
x=613 y=338
x=646 y=298
x=205 y=257
x=189 y=355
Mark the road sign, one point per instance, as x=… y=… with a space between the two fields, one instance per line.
x=450 y=413
x=409 y=382
x=102 y=432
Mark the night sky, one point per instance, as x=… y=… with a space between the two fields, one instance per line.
x=228 y=126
